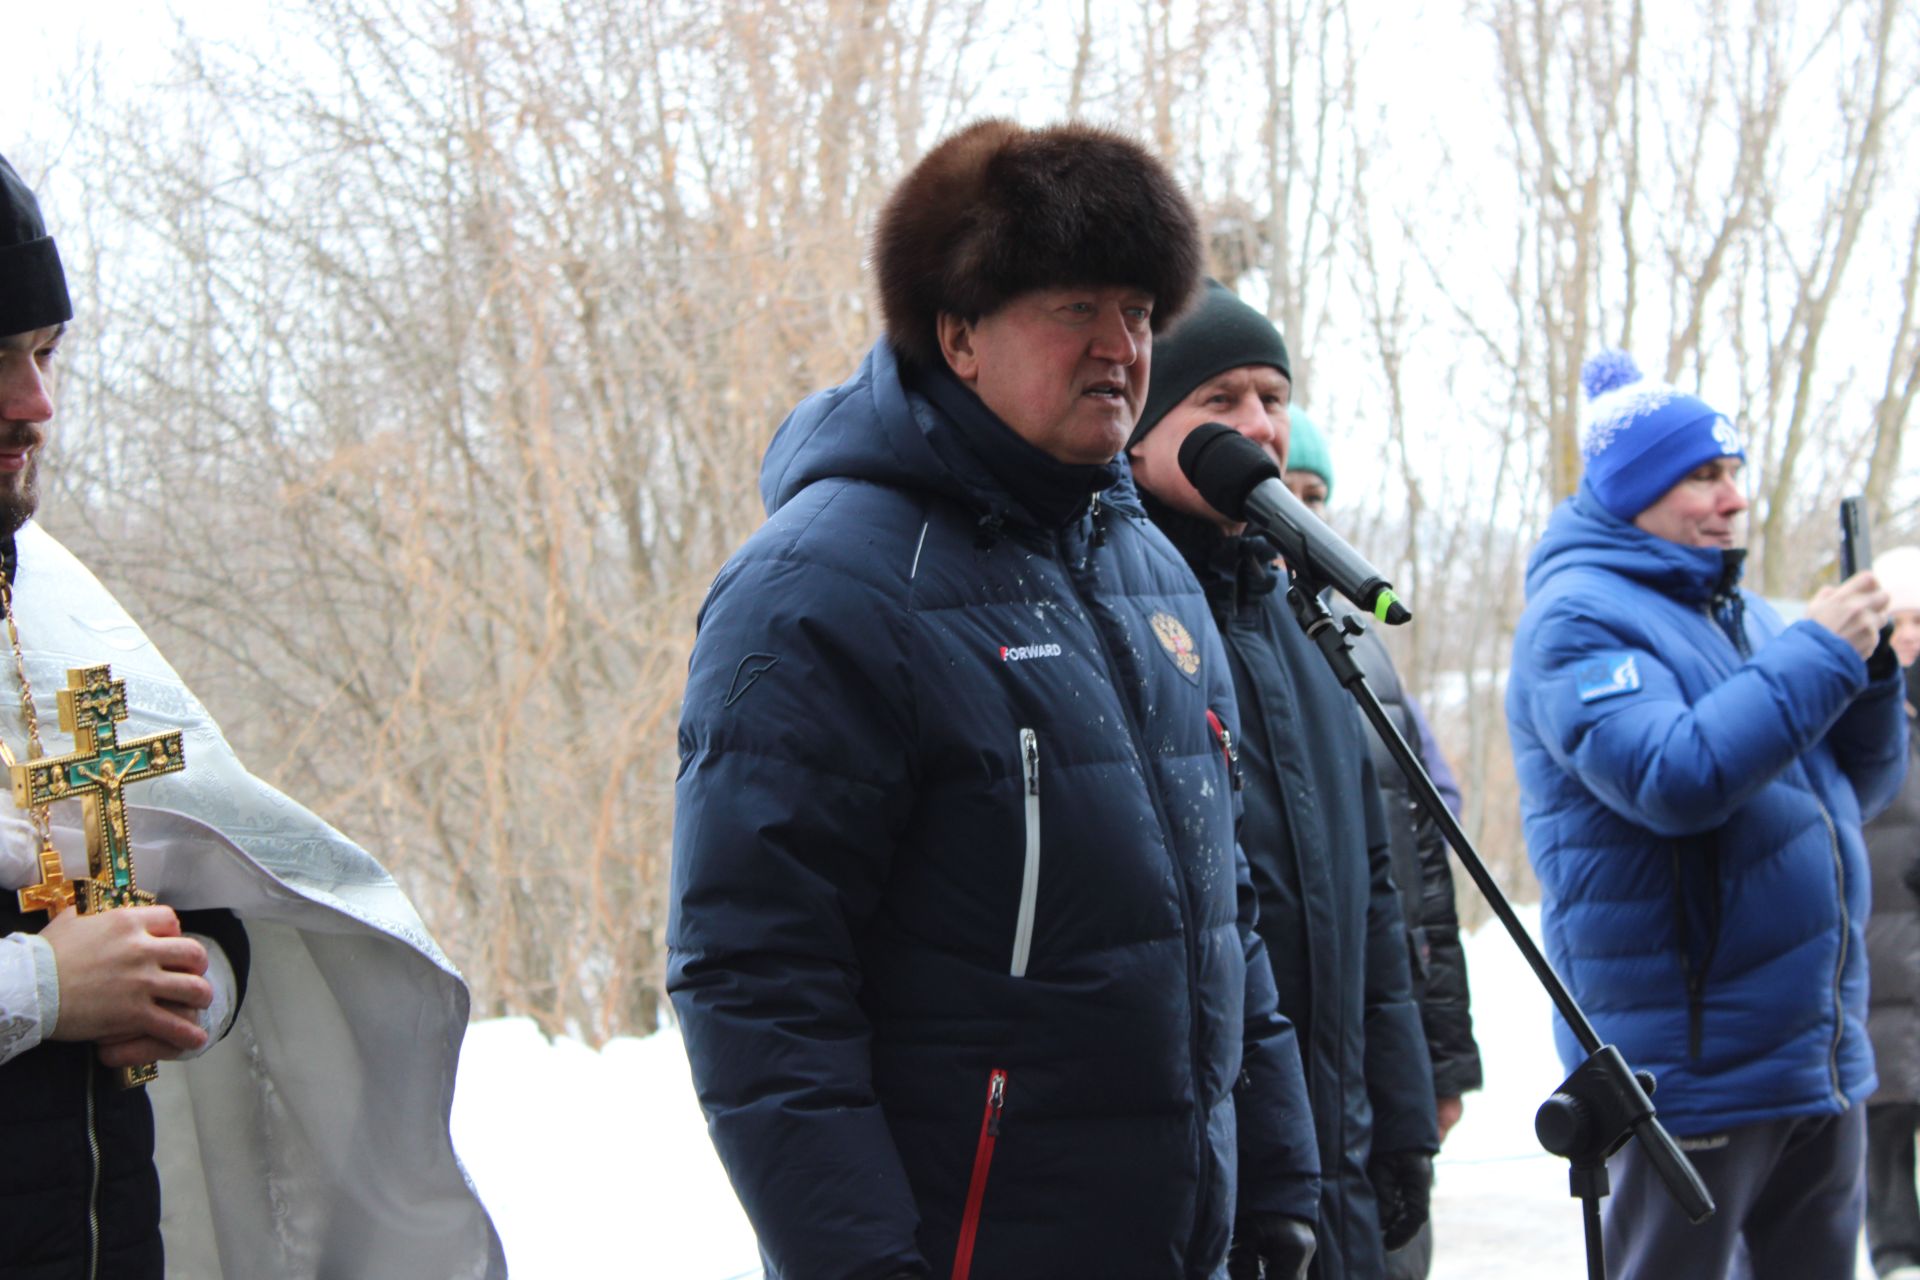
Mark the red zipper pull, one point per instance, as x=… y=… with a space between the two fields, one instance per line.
x=982 y=1164
x=1224 y=736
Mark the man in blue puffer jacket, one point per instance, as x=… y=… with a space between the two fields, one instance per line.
x=1694 y=778
x=961 y=942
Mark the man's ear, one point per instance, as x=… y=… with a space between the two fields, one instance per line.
x=956 y=344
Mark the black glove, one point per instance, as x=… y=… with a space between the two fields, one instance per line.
x=1403 y=1183
x=1270 y=1245
x=1882 y=662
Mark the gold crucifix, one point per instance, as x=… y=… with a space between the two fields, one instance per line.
x=96 y=772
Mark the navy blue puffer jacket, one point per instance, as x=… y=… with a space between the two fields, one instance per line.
x=960 y=942
x=83 y=1199
x=1694 y=779
x=1316 y=841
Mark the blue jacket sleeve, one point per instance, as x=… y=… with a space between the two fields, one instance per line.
x=1675 y=767
x=1869 y=742
x=793 y=784
x=1399 y=1071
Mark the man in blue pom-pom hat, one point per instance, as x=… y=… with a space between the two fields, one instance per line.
x=1694 y=777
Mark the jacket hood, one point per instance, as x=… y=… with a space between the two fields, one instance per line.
x=1583 y=534
x=928 y=432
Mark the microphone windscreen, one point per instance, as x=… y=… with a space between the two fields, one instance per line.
x=1224 y=466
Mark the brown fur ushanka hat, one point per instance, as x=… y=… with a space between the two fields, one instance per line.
x=997 y=210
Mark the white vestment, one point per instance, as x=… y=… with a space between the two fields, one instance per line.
x=312 y=1141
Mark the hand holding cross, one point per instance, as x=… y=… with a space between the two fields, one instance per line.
x=96 y=772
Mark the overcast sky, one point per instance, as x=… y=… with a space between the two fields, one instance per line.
x=1429 y=77
x=1439 y=71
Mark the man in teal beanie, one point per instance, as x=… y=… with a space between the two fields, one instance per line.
x=1421 y=869
x=1309 y=464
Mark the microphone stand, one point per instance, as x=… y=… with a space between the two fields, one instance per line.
x=1603 y=1103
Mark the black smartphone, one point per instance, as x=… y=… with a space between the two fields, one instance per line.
x=1856 y=545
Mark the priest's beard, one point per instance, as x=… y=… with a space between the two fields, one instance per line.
x=19 y=496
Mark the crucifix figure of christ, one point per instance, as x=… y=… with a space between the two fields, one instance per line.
x=96 y=772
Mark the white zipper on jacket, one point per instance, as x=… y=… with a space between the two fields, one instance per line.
x=1840 y=959
x=1030 y=869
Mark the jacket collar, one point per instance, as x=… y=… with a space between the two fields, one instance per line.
x=1232 y=570
x=894 y=425
x=1041 y=489
x=1581 y=532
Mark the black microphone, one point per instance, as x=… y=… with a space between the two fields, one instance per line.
x=1240 y=481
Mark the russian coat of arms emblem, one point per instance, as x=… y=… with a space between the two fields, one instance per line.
x=1175 y=639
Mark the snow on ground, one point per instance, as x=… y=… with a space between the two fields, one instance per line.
x=1501 y=1207
x=597 y=1165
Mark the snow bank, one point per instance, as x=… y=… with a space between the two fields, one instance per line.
x=598 y=1165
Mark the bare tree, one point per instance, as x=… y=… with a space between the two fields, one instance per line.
x=466 y=346
x=431 y=356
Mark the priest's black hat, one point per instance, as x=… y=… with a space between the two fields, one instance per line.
x=33 y=288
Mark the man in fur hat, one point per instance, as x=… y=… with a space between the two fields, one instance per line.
x=961 y=943
x=311 y=1139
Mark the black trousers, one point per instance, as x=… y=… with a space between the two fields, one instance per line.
x=1893 y=1207
x=1788 y=1197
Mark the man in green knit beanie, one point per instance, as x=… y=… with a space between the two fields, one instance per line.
x=1419 y=852
x=1309 y=465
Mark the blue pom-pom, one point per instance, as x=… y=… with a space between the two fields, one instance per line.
x=1607 y=371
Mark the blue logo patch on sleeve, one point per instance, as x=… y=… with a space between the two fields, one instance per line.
x=1607 y=675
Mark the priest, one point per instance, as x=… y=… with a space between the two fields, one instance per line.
x=160 y=905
